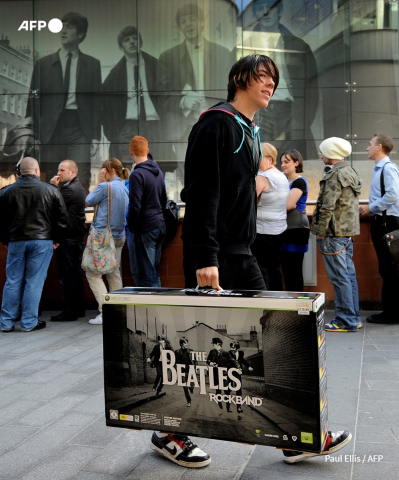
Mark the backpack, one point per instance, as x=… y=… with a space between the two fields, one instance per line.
x=171 y=215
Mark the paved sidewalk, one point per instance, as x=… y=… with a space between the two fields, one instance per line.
x=52 y=423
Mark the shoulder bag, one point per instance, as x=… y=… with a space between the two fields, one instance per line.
x=99 y=255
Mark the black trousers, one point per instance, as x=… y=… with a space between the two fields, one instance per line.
x=236 y=272
x=291 y=265
x=267 y=250
x=388 y=271
x=69 y=259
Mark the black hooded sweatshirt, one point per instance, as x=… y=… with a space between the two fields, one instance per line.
x=147 y=198
x=222 y=162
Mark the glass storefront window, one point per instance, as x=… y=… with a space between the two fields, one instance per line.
x=150 y=67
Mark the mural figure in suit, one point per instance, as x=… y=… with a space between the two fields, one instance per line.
x=67 y=108
x=130 y=104
x=192 y=77
x=293 y=106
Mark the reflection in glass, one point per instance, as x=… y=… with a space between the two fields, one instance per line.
x=130 y=104
x=192 y=77
x=288 y=119
x=67 y=111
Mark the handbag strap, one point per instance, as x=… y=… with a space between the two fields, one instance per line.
x=109 y=206
x=109 y=203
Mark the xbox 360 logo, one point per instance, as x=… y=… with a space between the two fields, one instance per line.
x=54 y=25
x=106 y=298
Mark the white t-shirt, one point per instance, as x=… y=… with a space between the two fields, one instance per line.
x=272 y=207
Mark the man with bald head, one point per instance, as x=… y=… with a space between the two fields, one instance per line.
x=69 y=253
x=34 y=222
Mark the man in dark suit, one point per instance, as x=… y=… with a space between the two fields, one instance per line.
x=130 y=103
x=183 y=357
x=66 y=108
x=292 y=109
x=69 y=253
x=194 y=75
x=238 y=357
x=155 y=359
x=217 y=357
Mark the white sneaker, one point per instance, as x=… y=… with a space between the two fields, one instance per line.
x=97 y=321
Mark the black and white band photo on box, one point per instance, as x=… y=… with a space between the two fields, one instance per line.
x=226 y=373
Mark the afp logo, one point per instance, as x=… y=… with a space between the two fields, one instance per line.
x=54 y=25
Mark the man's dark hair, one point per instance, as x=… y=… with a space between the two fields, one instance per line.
x=189 y=9
x=127 y=32
x=245 y=71
x=183 y=340
x=78 y=21
x=271 y=4
x=295 y=156
x=385 y=141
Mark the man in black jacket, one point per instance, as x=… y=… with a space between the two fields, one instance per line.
x=69 y=253
x=147 y=199
x=34 y=222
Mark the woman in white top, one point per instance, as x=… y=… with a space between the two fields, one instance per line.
x=272 y=188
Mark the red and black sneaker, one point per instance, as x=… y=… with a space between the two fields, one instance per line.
x=334 y=442
x=179 y=449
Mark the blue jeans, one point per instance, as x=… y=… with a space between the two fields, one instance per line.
x=145 y=251
x=26 y=270
x=342 y=274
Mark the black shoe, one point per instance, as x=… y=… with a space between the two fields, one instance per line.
x=228 y=408
x=334 y=442
x=382 y=318
x=81 y=314
x=239 y=410
x=180 y=449
x=61 y=317
x=40 y=325
x=8 y=330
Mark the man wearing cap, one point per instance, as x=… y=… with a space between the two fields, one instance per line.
x=335 y=222
x=238 y=357
x=217 y=357
x=380 y=146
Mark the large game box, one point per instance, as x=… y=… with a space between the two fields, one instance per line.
x=243 y=366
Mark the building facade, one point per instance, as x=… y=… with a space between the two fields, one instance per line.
x=338 y=62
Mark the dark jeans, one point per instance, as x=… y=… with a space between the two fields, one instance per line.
x=145 y=251
x=236 y=272
x=291 y=265
x=267 y=250
x=388 y=271
x=69 y=259
x=67 y=142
